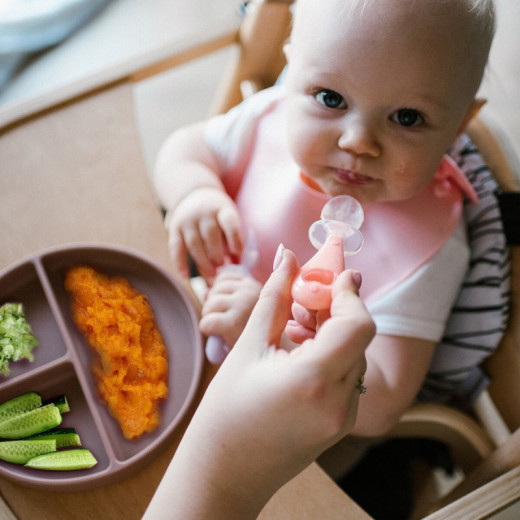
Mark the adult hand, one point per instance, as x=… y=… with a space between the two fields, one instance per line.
x=269 y=412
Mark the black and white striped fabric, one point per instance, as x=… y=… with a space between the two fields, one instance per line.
x=480 y=313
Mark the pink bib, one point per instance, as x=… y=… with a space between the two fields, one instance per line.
x=402 y=236
x=399 y=237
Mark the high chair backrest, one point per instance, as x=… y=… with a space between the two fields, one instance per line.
x=504 y=365
x=260 y=59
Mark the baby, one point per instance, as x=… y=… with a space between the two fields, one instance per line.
x=376 y=93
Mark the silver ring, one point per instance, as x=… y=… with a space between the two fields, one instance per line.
x=360 y=386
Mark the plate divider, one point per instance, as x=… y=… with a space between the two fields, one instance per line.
x=86 y=387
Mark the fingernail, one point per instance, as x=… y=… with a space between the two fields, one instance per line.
x=278 y=257
x=357 y=279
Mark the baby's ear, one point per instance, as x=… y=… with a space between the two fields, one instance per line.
x=472 y=111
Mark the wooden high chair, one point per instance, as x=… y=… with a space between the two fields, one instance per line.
x=482 y=443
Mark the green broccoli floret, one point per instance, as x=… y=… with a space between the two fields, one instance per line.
x=16 y=339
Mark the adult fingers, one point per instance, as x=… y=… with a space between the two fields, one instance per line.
x=344 y=337
x=347 y=285
x=273 y=308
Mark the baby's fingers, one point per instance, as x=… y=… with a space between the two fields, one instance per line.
x=179 y=254
x=298 y=333
x=304 y=316
x=184 y=239
x=229 y=222
x=195 y=245
x=212 y=240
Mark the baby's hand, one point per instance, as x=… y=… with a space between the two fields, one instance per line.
x=206 y=225
x=229 y=304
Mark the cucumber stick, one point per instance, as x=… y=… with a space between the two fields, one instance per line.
x=30 y=423
x=33 y=426
x=79 y=458
x=20 y=404
x=20 y=452
x=60 y=402
x=64 y=437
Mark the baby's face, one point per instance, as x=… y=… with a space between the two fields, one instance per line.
x=374 y=100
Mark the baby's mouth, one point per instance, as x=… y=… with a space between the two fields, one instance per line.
x=352 y=178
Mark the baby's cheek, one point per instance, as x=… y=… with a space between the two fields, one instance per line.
x=401 y=169
x=302 y=139
x=408 y=180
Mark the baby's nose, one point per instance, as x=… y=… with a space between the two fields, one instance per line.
x=358 y=138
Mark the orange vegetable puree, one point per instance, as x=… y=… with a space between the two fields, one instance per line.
x=131 y=367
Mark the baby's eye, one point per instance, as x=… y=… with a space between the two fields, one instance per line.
x=330 y=99
x=407 y=117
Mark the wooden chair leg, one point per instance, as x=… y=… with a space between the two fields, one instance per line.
x=505 y=458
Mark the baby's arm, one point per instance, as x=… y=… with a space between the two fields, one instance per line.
x=202 y=219
x=397 y=367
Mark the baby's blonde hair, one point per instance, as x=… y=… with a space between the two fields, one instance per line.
x=484 y=17
x=481 y=12
x=480 y=22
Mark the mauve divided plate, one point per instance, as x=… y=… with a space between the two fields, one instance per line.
x=63 y=359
